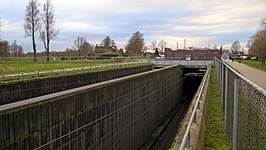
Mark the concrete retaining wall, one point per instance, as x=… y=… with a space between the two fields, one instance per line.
x=116 y=114
x=20 y=90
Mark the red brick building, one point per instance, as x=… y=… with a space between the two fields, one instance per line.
x=206 y=54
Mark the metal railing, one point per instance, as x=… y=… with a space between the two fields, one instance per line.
x=18 y=67
x=185 y=144
x=21 y=75
x=244 y=105
x=163 y=62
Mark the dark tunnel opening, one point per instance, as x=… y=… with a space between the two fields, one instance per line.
x=191 y=86
x=192 y=79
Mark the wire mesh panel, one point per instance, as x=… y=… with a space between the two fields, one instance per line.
x=230 y=105
x=250 y=116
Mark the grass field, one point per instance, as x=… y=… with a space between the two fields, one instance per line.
x=214 y=136
x=254 y=63
x=26 y=64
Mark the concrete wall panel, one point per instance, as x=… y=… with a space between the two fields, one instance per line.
x=20 y=90
x=116 y=114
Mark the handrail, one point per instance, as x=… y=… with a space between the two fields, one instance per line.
x=260 y=89
x=194 y=110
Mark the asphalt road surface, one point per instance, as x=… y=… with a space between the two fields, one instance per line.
x=255 y=75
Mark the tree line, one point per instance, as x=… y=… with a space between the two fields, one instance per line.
x=257 y=42
x=40 y=25
x=43 y=23
x=11 y=50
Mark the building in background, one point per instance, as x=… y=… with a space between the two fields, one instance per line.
x=195 y=54
x=103 y=49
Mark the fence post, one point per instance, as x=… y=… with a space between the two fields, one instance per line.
x=235 y=113
x=225 y=97
x=222 y=85
x=218 y=64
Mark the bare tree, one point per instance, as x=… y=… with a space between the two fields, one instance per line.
x=106 y=42
x=4 y=49
x=16 y=50
x=156 y=53
x=48 y=31
x=248 y=45
x=120 y=52
x=86 y=49
x=112 y=43
x=258 y=45
x=70 y=52
x=13 y=48
x=153 y=45
x=162 y=44
x=32 y=22
x=263 y=23
x=79 y=42
x=135 y=44
x=236 y=47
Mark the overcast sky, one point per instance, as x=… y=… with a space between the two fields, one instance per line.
x=198 y=21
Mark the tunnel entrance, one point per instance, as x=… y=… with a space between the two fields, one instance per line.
x=120 y=113
x=165 y=134
x=193 y=77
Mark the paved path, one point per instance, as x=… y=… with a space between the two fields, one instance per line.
x=255 y=75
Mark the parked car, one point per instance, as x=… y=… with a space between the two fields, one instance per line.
x=157 y=58
x=254 y=58
x=244 y=57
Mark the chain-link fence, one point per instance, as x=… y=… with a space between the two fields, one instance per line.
x=244 y=105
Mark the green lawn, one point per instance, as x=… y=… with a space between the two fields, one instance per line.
x=117 y=66
x=255 y=64
x=214 y=136
x=26 y=64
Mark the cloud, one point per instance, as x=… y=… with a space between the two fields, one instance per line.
x=77 y=26
x=199 y=21
x=9 y=26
